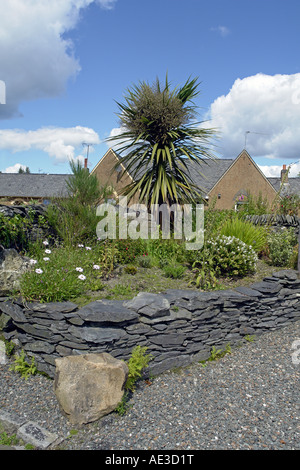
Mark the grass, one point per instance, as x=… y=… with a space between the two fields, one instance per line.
x=123 y=286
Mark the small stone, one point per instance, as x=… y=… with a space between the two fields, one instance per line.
x=34 y=434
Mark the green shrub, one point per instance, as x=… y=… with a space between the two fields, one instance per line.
x=174 y=270
x=130 y=269
x=145 y=261
x=281 y=246
x=252 y=235
x=14 y=231
x=289 y=204
x=129 y=250
x=168 y=248
x=138 y=361
x=214 y=219
x=226 y=256
x=254 y=205
x=72 y=221
x=74 y=218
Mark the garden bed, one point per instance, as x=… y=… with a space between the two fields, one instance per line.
x=123 y=286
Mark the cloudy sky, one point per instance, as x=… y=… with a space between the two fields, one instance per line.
x=65 y=63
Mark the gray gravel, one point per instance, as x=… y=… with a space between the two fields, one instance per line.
x=249 y=399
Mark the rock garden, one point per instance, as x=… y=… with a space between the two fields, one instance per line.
x=66 y=293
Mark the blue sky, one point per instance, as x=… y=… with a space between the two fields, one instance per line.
x=65 y=63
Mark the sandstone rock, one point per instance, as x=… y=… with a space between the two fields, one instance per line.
x=12 y=265
x=89 y=386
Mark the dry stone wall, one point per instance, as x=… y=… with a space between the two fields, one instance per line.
x=178 y=326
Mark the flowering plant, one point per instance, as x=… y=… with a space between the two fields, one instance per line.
x=62 y=275
x=227 y=255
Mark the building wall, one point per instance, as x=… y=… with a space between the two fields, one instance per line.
x=106 y=174
x=242 y=177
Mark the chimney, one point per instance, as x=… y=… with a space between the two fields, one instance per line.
x=85 y=163
x=284 y=175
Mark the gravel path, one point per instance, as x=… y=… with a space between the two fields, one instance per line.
x=249 y=399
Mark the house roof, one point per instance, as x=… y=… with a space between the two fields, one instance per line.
x=204 y=175
x=292 y=186
x=33 y=185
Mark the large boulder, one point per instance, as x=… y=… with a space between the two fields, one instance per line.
x=89 y=386
x=12 y=265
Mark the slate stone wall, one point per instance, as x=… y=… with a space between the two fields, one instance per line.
x=276 y=221
x=178 y=326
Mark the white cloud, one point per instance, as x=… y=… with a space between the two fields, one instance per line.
x=36 y=58
x=266 y=106
x=14 y=169
x=274 y=170
x=58 y=142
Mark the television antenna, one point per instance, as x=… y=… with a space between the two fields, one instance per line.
x=85 y=144
x=250 y=132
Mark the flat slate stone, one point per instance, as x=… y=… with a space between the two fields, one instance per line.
x=149 y=305
x=266 y=287
x=106 y=311
x=14 y=311
x=247 y=291
x=97 y=335
x=286 y=274
x=53 y=307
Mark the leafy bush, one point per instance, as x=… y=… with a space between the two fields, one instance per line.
x=252 y=235
x=174 y=270
x=145 y=261
x=226 y=256
x=289 y=205
x=254 y=205
x=214 y=219
x=168 y=248
x=74 y=217
x=293 y=261
x=281 y=246
x=130 y=269
x=138 y=361
x=129 y=250
x=71 y=221
x=13 y=231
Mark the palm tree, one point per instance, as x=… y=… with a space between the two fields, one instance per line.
x=160 y=140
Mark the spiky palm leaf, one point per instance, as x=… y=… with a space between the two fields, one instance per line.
x=160 y=139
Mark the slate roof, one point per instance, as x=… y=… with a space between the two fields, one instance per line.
x=291 y=187
x=35 y=185
x=206 y=174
